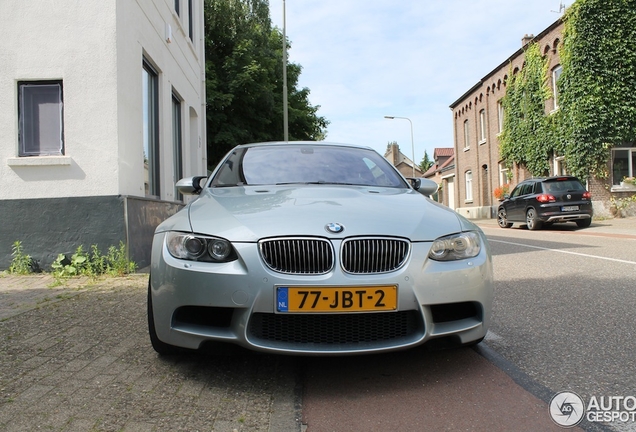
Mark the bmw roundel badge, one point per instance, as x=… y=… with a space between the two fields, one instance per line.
x=335 y=228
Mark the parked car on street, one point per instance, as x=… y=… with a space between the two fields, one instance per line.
x=316 y=248
x=541 y=202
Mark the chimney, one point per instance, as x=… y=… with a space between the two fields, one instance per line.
x=526 y=39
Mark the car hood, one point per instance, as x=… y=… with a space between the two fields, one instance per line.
x=251 y=213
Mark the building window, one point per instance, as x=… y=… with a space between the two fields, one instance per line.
x=623 y=164
x=40 y=118
x=559 y=165
x=150 y=89
x=556 y=73
x=500 y=117
x=190 y=21
x=466 y=136
x=482 y=126
x=469 y=186
x=176 y=7
x=503 y=174
x=177 y=142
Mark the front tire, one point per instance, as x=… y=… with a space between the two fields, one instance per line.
x=584 y=223
x=532 y=221
x=161 y=347
x=502 y=219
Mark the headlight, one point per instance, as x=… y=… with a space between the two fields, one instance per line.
x=455 y=247
x=197 y=248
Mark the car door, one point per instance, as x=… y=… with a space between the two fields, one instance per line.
x=515 y=207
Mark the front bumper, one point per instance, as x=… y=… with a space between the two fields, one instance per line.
x=196 y=302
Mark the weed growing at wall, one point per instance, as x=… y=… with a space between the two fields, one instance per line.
x=21 y=262
x=93 y=263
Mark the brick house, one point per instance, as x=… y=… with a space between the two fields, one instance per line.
x=403 y=164
x=103 y=109
x=478 y=121
x=442 y=172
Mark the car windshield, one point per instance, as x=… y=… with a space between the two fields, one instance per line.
x=306 y=164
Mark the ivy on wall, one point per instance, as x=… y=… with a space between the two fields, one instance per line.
x=526 y=134
x=597 y=93
x=598 y=84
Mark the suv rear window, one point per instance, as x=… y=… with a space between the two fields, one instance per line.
x=562 y=186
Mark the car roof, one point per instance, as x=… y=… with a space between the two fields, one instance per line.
x=554 y=178
x=307 y=143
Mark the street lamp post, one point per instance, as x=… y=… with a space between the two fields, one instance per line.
x=285 y=115
x=412 y=144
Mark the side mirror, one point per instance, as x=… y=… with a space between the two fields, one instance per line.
x=190 y=185
x=424 y=186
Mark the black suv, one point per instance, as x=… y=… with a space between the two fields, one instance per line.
x=544 y=201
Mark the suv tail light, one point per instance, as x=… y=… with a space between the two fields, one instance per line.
x=544 y=198
x=587 y=195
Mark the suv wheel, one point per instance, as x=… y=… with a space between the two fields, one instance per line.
x=502 y=219
x=584 y=223
x=531 y=220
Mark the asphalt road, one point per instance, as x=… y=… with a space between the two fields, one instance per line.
x=565 y=309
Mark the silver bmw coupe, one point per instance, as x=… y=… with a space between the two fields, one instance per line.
x=319 y=249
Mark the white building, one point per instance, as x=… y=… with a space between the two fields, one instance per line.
x=102 y=109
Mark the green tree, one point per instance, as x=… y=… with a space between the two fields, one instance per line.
x=426 y=163
x=598 y=85
x=244 y=80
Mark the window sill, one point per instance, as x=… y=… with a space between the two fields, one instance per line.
x=482 y=142
x=466 y=149
x=468 y=201
x=623 y=187
x=39 y=161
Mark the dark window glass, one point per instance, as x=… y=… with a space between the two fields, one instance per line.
x=40 y=118
x=307 y=164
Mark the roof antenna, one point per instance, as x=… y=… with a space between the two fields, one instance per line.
x=561 y=8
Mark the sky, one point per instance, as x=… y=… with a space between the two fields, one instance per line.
x=363 y=60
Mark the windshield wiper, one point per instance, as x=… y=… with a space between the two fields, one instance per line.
x=320 y=182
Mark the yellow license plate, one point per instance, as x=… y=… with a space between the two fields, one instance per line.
x=336 y=299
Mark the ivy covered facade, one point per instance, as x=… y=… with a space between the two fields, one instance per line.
x=510 y=127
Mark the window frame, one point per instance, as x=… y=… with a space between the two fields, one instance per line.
x=468 y=182
x=27 y=125
x=482 y=126
x=466 y=135
x=631 y=164
x=177 y=142
x=500 y=116
x=556 y=74
x=150 y=126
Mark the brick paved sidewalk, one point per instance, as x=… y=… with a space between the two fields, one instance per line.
x=77 y=358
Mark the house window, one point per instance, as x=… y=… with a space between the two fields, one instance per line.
x=466 y=136
x=500 y=117
x=503 y=174
x=40 y=118
x=177 y=142
x=190 y=21
x=559 y=165
x=623 y=164
x=469 y=186
x=482 y=126
x=176 y=7
x=150 y=89
x=556 y=73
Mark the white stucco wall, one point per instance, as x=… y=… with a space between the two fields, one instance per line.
x=96 y=49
